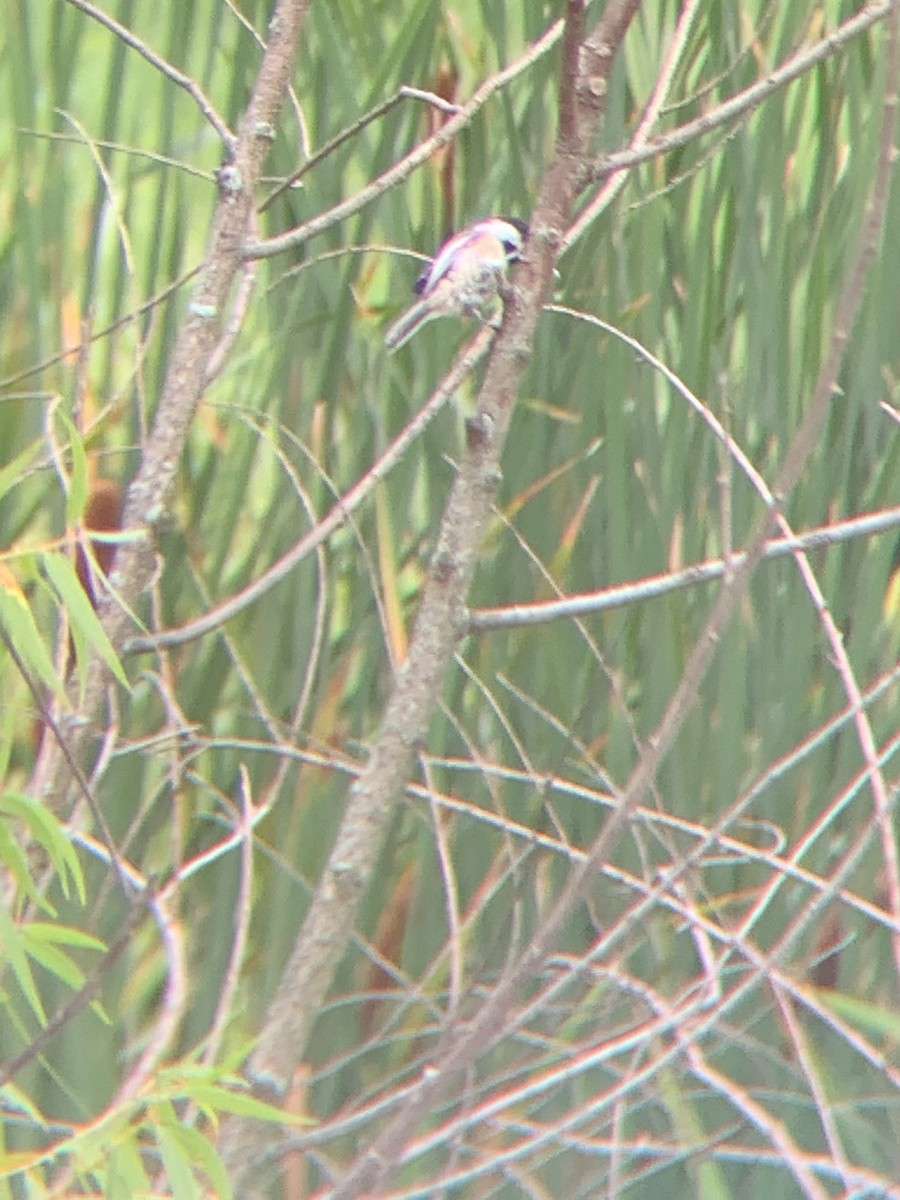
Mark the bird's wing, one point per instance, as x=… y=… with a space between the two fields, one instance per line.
x=443 y=261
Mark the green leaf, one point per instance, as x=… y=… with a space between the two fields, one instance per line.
x=52 y=959
x=199 y=1151
x=65 y=935
x=15 y=1100
x=13 y=472
x=204 y=1085
x=79 y=478
x=16 y=862
x=13 y=950
x=179 y=1172
x=219 y=1099
x=19 y=626
x=873 y=1018
x=42 y=943
x=81 y=612
x=50 y=835
x=125 y=1174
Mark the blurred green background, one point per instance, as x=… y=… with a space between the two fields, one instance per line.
x=726 y=259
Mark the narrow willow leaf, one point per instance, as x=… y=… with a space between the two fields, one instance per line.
x=15 y=860
x=81 y=612
x=23 y=633
x=179 y=1172
x=42 y=943
x=13 y=950
x=79 y=483
x=864 y=1015
x=47 y=831
x=12 y=472
x=125 y=1174
x=15 y=1100
x=201 y=1154
x=214 y=1098
x=65 y=935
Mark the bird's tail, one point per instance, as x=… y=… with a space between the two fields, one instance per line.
x=407 y=324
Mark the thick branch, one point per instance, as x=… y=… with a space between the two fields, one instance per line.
x=150 y=493
x=324 y=934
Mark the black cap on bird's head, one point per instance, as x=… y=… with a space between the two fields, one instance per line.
x=513 y=246
x=517 y=223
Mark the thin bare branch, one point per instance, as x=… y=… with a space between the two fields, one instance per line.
x=750 y=98
x=332 y=521
x=340 y=139
x=514 y=616
x=416 y=158
x=346 y=867
x=149 y=494
x=190 y=85
x=324 y=933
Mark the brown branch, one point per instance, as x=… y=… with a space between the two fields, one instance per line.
x=746 y=101
x=352 y=130
x=417 y=157
x=149 y=495
x=323 y=937
x=517 y=616
x=568 y=107
x=90 y=990
x=494 y=1019
x=124 y=34
x=406 y=720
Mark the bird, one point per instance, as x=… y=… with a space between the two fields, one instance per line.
x=464 y=277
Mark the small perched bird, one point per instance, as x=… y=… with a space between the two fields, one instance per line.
x=465 y=276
